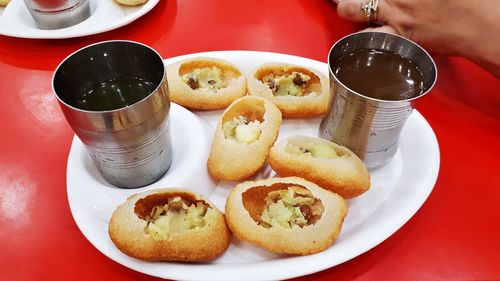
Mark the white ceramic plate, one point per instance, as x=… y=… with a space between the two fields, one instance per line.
x=398 y=190
x=16 y=21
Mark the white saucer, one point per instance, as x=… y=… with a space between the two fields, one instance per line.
x=16 y=21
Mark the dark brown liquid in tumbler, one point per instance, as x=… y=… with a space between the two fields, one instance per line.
x=114 y=94
x=379 y=74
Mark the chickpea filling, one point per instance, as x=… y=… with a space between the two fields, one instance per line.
x=209 y=78
x=242 y=130
x=294 y=84
x=176 y=214
x=284 y=205
x=315 y=150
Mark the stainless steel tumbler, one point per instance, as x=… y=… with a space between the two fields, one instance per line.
x=130 y=145
x=368 y=126
x=55 y=14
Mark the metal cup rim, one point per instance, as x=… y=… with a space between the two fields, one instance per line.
x=112 y=110
x=382 y=100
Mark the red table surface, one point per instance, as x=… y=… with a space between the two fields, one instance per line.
x=455 y=235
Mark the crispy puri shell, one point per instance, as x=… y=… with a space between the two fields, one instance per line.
x=346 y=175
x=300 y=241
x=313 y=104
x=127 y=231
x=4 y=2
x=230 y=160
x=131 y=2
x=203 y=99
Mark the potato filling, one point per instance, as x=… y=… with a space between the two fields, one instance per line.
x=315 y=150
x=294 y=84
x=242 y=130
x=294 y=207
x=177 y=216
x=209 y=78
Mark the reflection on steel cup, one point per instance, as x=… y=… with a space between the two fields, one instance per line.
x=53 y=5
x=371 y=127
x=129 y=142
x=55 y=14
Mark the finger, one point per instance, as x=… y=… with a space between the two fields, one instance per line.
x=351 y=10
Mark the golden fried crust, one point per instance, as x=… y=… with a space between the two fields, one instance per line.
x=298 y=241
x=204 y=99
x=127 y=231
x=346 y=175
x=230 y=160
x=131 y=2
x=4 y=2
x=313 y=104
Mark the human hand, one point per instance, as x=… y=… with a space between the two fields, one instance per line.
x=459 y=27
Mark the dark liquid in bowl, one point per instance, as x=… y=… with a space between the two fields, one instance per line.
x=114 y=94
x=379 y=74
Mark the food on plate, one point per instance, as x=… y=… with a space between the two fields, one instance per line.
x=244 y=134
x=4 y=2
x=205 y=83
x=325 y=163
x=169 y=225
x=131 y=2
x=297 y=91
x=285 y=215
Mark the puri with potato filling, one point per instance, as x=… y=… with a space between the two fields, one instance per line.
x=294 y=84
x=323 y=162
x=314 y=150
x=209 y=78
x=245 y=132
x=177 y=216
x=169 y=225
x=291 y=208
x=242 y=130
x=285 y=215
x=297 y=91
x=131 y=2
x=205 y=83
